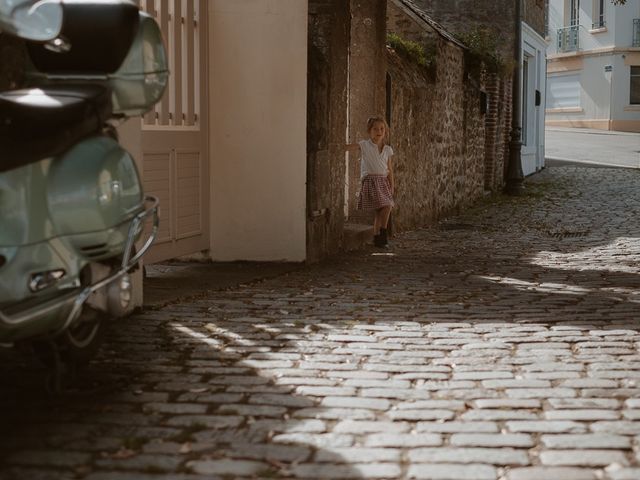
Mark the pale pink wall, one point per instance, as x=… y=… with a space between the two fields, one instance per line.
x=258 y=102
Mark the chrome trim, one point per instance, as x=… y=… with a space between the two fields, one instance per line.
x=78 y=297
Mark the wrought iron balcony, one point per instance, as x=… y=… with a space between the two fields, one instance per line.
x=569 y=39
x=636 y=32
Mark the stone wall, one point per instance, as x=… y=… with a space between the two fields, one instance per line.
x=367 y=78
x=328 y=43
x=437 y=131
x=409 y=23
x=459 y=16
x=400 y=21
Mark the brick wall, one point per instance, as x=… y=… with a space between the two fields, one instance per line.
x=497 y=130
x=533 y=15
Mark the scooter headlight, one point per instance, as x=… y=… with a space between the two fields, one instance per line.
x=120 y=296
x=41 y=280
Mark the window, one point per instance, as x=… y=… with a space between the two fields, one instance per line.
x=634 y=90
x=598 y=14
x=574 y=13
x=563 y=91
x=569 y=35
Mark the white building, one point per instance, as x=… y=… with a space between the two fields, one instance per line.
x=593 y=71
x=533 y=95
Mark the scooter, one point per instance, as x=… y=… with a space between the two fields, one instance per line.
x=72 y=208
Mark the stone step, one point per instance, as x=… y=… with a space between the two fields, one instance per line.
x=356 y=236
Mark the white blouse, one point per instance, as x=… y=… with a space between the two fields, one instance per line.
x=374 y=162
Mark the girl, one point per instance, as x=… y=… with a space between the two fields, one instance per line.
x=376 y=174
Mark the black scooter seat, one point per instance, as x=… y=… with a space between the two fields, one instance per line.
x=42 y=122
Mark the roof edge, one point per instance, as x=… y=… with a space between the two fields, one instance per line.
x=421 y=15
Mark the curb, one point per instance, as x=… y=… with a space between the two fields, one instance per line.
x=588 y=162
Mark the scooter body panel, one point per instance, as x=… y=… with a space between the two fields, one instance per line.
x=28 y=260
x=25 y=218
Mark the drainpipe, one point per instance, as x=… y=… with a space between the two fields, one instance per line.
x=515 y=176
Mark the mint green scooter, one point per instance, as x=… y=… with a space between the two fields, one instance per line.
x=72 y=209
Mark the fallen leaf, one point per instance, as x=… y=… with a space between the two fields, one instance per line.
x=124 y=453
x=199 y=390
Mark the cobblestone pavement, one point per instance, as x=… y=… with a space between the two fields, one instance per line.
x=500 y=344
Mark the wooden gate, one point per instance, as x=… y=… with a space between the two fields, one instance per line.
x=174 y=134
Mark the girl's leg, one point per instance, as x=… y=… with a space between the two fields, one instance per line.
x=384 y=213
x=376 y=223
x=377 y=238
x=383 y=220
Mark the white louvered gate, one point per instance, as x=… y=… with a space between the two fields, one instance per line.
x=174 y=134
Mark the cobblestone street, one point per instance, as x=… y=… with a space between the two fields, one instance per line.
x=503 y=343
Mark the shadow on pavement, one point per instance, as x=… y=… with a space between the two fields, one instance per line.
x=357 y=368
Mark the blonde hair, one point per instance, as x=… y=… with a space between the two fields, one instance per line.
x=371 y=121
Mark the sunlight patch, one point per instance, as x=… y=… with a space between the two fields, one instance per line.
x=197 y=335
x=621 y=255
x=544 y=287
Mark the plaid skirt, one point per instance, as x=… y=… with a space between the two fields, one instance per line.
x=375 y=193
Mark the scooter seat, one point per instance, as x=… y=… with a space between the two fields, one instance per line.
x=43 y=122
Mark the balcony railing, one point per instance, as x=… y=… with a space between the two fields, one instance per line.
x=569 y=39
x=636 y=32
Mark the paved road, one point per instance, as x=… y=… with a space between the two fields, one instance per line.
x=502 y=344
x=598 y=147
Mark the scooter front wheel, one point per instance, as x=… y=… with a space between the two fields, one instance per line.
x=79 y=343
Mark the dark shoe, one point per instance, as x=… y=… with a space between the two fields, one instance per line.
x=384 y=241
x=377 y=240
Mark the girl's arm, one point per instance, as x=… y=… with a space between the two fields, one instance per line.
x=352 y=147
x=390 y=175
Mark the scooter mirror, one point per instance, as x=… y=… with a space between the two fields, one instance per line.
x=39 y=21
